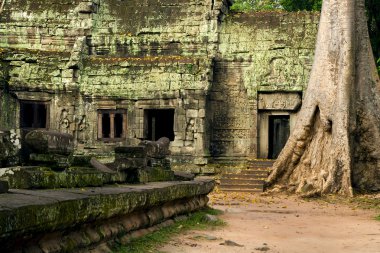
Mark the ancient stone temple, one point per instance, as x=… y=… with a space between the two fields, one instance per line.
x=220 y=85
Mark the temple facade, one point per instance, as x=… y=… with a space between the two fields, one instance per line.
x=220 y=85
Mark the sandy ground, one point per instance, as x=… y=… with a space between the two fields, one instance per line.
x=283 y=224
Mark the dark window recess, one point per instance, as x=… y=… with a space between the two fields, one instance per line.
x=118 y=125
x=279 y=130
x=112 y=124
x=160 y=123
x=33 y=115
x=106 y=125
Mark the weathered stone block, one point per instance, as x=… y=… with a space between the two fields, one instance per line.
x=200 y=161
x=183 y=176
x=129 y=163
x=157 y=149
x=202 y=113
x=155 y=175
x=279 y=101
x=49 y=141
x=130 y=152
x=30 y=177
x=67 y=73
x=55 y=160
x=192 y=113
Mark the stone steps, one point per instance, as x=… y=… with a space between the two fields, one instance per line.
x=240 y=181
x=242 y=190
x=249 y=180
x=248 y=173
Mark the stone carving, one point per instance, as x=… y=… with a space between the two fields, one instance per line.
x=64 y=120
x=157 y=149
x=279 y=101
x=190 y=130
x=276 y=71
x=82 y=125
x=48 y=141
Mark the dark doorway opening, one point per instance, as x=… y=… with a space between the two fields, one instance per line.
x=279 y=130
x=160 y=123
x=33 y=114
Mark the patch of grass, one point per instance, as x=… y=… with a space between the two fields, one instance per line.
x=377 y=218
x=148 y=243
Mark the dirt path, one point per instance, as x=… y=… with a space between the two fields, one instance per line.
x=283 y=224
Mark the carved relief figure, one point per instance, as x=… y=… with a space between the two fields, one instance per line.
x=82 y=126
x=64 y=122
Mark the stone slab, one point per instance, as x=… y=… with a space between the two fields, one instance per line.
x=25 y=212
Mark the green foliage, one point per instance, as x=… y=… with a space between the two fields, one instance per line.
x=378 y=65
x=255 y=5
x=151 y=241
x=301 y=5
x=288 y=5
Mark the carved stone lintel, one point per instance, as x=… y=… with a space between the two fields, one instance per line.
x=279 y=101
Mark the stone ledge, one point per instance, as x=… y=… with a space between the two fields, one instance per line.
x=37 y=177
x=26 y=212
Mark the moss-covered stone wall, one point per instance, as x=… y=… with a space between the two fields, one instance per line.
x=44 y=24
x=193 y=57
x=276 y=49
x=151 y=27
x=259 y=52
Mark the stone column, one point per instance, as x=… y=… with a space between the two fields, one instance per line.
x=124 y=133
x=112 y=125
x=100 y=126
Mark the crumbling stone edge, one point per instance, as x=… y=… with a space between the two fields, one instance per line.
x=101 y=234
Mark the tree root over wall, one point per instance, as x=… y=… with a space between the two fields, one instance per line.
x=335 y=146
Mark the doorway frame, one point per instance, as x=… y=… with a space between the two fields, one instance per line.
x=271 y=138
x=263 y=129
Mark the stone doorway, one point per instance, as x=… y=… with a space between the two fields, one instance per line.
x=159 y=123
x=279 y=130
x=274 y=130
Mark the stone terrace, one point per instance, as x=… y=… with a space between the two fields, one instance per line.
x=64 y=220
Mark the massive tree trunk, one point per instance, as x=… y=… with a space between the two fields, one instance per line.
x=335 y=145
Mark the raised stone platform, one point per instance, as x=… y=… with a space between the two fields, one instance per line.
x=71 y=220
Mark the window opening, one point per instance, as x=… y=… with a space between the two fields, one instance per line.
x=106 y=125
x=160 y=123
x=118 y=125
x=33 y=114
x=112 y=124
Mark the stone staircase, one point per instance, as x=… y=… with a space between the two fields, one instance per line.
x=248 y=180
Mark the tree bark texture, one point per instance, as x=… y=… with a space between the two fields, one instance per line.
x=335 y=145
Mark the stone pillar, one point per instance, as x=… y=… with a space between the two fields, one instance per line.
x=124 y=133
x=100 y=126
x=112 y=125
